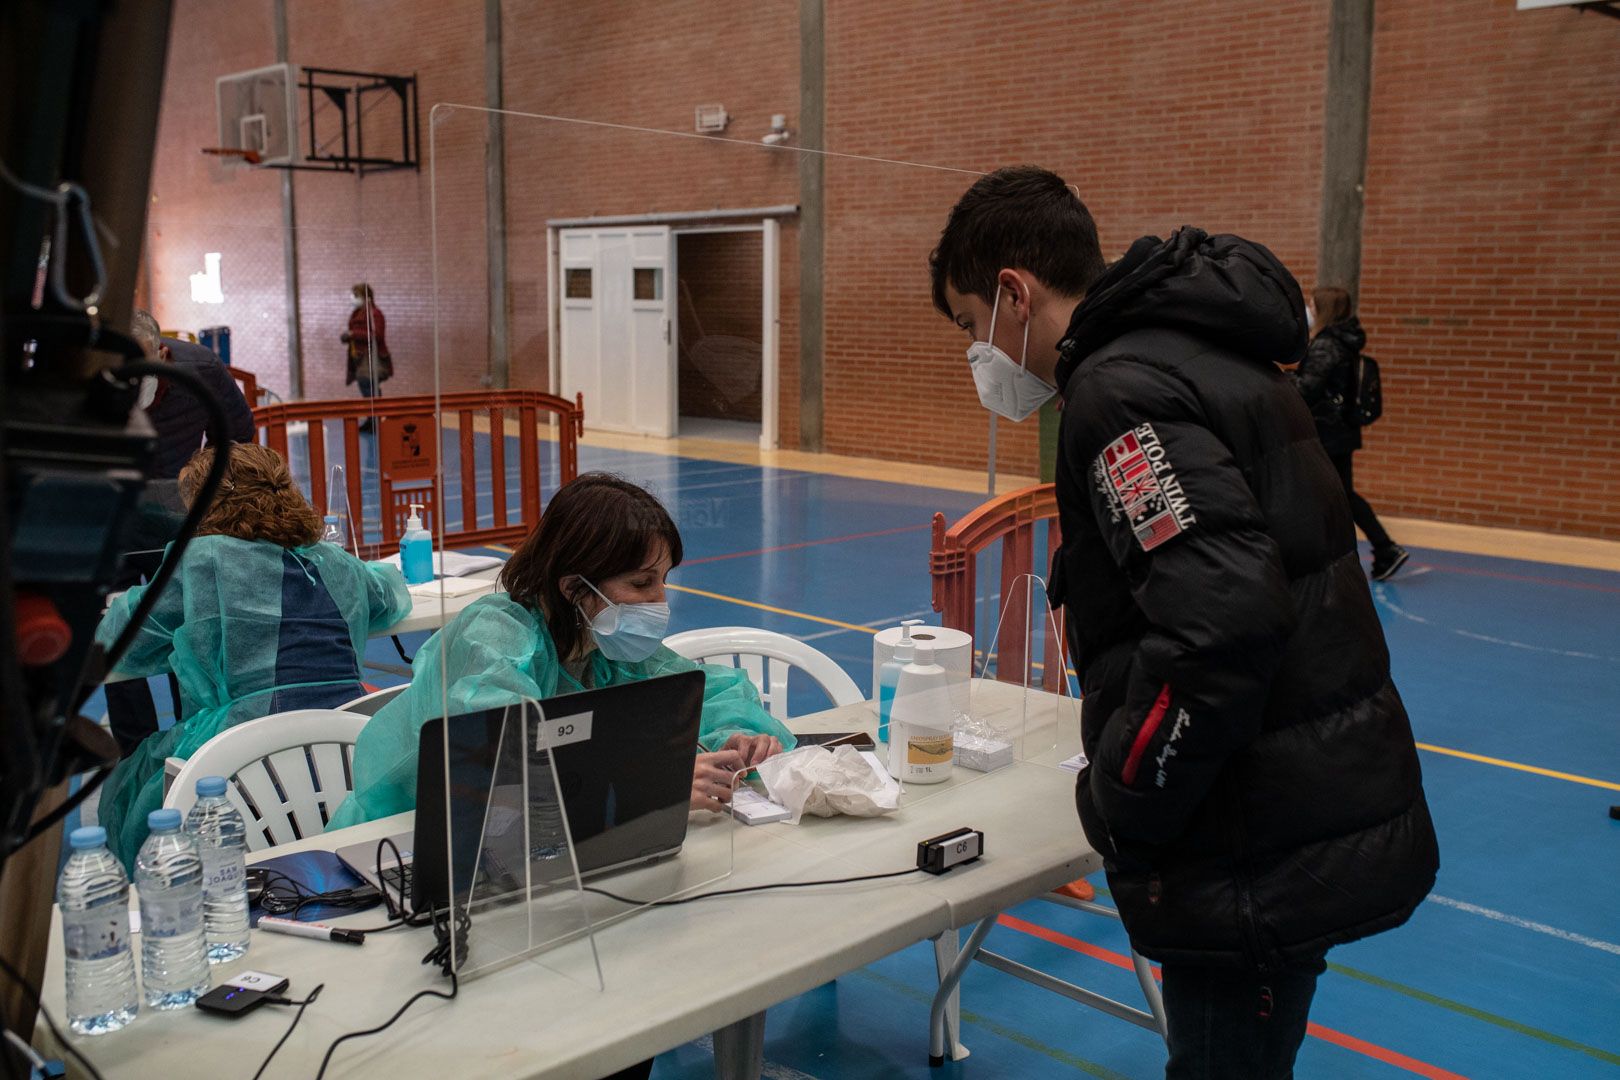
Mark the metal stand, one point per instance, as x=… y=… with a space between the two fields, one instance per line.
x=739 y=1049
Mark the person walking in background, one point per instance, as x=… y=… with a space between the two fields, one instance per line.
x=1327 y=380
x=370 y=363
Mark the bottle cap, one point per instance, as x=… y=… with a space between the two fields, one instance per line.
x=163 y=820
x=904 y=650
x=209 y=786
x=415 y=519
x=90 y=836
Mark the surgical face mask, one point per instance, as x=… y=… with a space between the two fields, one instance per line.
x=1005 y=388
x=356 y=301
x=628 y=632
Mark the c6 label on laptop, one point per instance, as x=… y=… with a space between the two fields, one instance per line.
x=554 y=731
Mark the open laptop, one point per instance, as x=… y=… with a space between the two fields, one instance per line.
x=626 y=791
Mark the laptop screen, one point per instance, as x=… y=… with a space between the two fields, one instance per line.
x=623 y=757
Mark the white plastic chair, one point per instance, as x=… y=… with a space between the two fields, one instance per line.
x=768 y=658
x=285 y=772
x=371 y=704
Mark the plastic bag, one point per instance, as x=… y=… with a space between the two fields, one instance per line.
x=822 y=782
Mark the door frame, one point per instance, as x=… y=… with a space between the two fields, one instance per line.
x=764 y=220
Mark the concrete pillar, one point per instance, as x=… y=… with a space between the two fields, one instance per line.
x=1344 y=143
x=812 y=223
x=500 y=304
x=289 y=240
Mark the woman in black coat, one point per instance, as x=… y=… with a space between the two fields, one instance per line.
x=1327 y=380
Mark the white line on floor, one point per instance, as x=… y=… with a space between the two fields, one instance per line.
x=1526 y=924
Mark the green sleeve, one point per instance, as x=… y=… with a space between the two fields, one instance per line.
x=389 y=599
x=150 y=649
x=731 y=705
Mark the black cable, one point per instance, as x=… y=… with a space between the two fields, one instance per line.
x=302 y=1005
x=61 y=1040
x=749 y=889
x=68 y=805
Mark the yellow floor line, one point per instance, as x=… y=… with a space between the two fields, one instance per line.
x=772 y=610
x=1538 y=770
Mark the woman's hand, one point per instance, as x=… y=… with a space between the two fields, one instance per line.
x=712 y=778
x=754 y=748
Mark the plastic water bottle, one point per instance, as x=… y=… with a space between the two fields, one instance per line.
x=168 y=875
x=94 y=895
x=222 y=838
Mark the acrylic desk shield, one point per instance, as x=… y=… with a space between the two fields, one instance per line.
x=1043 y=722
x=513 y=881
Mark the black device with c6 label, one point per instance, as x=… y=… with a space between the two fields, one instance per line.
x=950 y=849
x=242 y=993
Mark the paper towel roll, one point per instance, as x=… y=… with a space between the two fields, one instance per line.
x=953 y=651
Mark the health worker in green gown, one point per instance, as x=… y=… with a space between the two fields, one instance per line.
x=260 y=617
x=584 y=608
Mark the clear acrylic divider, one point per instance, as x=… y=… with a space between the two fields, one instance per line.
x=1025 y=695
x=513 y=884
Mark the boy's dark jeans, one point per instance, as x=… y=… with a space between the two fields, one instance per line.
x=1234 y=1024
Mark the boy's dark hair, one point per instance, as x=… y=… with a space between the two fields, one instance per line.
x=1022 y=217
x=596 y=527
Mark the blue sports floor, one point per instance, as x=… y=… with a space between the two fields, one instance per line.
x=1511 y=672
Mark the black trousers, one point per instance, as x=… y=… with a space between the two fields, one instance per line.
x=1228 y=1024
x=1360 y=509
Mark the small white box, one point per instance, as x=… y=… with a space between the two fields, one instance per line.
x=1074 y=764
x=982 y=755
x=751 y=808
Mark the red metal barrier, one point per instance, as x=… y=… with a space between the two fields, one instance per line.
x=952 y=563
x=408 y=432
x=247 y=382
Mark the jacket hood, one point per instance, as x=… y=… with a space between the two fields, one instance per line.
x=1228 y=291
x=1349 y=332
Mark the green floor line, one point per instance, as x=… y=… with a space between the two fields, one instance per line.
x=1473 y=1013
x=1001 y=1031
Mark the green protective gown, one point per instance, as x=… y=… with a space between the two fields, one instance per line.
x=249 y=628
x=496 y=653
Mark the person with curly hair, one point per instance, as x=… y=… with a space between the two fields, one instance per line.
x=260 y=617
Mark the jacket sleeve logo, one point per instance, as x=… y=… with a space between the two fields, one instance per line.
x=1142 y=487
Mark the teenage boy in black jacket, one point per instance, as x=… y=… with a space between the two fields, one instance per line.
x=1254 y=788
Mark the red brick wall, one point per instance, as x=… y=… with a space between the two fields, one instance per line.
x=1491 y=283
x=1492 y=228
x=720 y=325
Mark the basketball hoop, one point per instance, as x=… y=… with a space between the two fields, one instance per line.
x=250 y=157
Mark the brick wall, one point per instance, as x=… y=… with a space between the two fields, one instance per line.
x=1492 y=228
x=1491 y=287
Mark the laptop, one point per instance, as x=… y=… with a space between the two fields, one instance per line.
x=625 y=790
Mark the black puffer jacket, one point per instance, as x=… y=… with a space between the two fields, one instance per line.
x=1327 y=377
x=1253 y=785
x=180 y=419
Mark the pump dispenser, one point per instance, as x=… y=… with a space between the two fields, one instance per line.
x=416 y=549
x=889 y=676
x=921 y=745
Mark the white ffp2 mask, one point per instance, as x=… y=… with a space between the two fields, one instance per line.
x=1005 y=388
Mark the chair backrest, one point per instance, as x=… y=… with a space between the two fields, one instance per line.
x=1013 y=520
x=285 y=773
x=371 y=704
x=768 y=657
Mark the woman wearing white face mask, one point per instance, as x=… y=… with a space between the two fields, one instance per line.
x=584 y=608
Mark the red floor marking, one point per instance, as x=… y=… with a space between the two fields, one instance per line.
x=807 y=543
x=1337 y=1038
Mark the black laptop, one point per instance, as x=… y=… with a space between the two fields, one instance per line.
x=625 y=789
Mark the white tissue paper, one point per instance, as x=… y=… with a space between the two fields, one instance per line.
x=816 y=780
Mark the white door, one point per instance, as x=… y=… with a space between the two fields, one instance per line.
x=617 y=333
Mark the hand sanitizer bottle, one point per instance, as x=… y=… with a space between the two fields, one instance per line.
x=921 y=743
x=416 y=549
x=889 y=676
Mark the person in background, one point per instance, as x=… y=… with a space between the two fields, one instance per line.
x=1253 y=788
x=181 y=423
x=584 y=608
x=370 y=363
x=1327 y=381
x=259 y=617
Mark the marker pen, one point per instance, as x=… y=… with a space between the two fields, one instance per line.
x=316 y=930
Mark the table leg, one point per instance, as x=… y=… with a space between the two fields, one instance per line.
x=947 y=986
x=946 y=948
x=739 y=1049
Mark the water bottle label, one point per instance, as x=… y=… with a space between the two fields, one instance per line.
x=100 y=932
x=223 y=873
x=178 y=913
